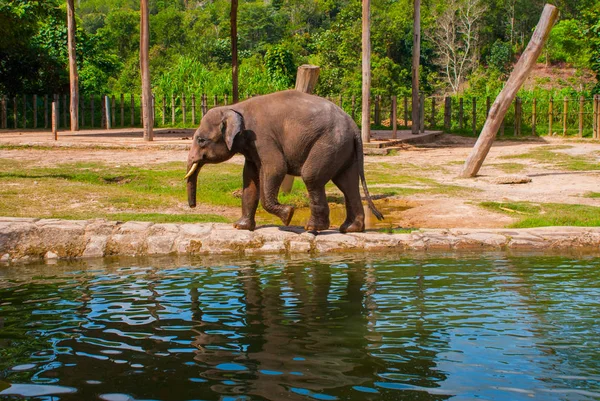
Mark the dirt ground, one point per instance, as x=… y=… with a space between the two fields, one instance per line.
x=440 y=161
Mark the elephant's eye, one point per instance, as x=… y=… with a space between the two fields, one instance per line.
x=202 y=141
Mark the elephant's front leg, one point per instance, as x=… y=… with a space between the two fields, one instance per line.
x=250 y=197
x=271 y=178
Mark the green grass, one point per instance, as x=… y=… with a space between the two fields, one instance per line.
x=593 y=195
x=547 y=214
x=509 y=168
x=547 y=155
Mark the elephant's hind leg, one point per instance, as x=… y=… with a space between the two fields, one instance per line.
x=250 y=196
x=347 y=181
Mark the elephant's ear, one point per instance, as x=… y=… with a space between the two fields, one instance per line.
x=233 y=124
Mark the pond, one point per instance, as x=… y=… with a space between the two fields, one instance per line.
x=346 y=327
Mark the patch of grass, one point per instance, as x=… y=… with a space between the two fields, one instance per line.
x=510 y=168
x=397 y=230
x=547 y=155
x=547 y=214
x=593 y=195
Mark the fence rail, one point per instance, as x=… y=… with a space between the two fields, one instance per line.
x=578 y=116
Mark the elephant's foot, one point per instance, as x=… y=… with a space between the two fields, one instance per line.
x=245 y=223
x=286 y=214
x=315 y=224
x=355 y=226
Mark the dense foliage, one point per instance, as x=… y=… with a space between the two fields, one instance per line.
x=466 y=44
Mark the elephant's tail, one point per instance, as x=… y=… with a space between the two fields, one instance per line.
x=361 y=171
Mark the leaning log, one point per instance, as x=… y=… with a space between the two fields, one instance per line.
x=508 y=94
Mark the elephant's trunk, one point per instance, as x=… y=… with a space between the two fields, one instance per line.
x=192 y=182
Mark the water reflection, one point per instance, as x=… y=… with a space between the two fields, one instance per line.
x=343 y=328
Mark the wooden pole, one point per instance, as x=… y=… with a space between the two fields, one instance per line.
x=148 y=120
x=581 y=106
x=366 y=71
x=534 y=117
x=35 y=111
x=550 y=115
x=45 y=111
x=113 y=116
x=122 y=110
x=405 y=111
x=108 y=111
x=204 y=105
x=422 y=113
x=4 y=112
x=505 y=98
x=448 y=113
x=394 y=117
x=565 y=112
x=24 y=116
x=433 y=100
x=416 y=61
x=474 y=116
x=234 y=51
x=306 y=80
x=55 y=120
x=194 y=109
x=73 y=74
x=183 y=108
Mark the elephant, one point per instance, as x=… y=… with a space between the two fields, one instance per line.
x=287 y=132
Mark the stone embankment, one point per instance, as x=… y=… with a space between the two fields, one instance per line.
x=23 y=239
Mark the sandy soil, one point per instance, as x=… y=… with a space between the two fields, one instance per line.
x=440 y=161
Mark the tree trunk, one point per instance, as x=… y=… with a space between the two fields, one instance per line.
x=73 y=75
x=508 y=94
x=306 y=80
x=234 y=51
x=148 y=120
x=416 y=59
x=366 y=71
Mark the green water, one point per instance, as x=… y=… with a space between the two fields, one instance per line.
x=492 y=327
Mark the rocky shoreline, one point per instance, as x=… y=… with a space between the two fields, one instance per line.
x=26 y=239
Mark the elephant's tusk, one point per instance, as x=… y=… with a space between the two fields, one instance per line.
x=189 y=174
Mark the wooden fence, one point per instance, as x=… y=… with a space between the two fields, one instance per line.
x=578 y=117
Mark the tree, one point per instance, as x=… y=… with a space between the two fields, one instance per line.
x=455 y=38
x=145 y=68
x=234 y=51
x=73 y=75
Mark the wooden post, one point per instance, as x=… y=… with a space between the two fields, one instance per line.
x=226 y=99
x=216 y=101
x=518 y=116
x=24 y=116
x=122 y=110
x=581 y=106
x=378 y=110
x=448 y=114
x=132 y=109
x=15 y=115
x=194 y=109
x=598 y=117
x=172 y=109
x=103 y=112
x=113 y=104
x=474 y=116
x=433 y=112
x=416 y=60
x=45 y=111
x=505 y=98
x=4 y=112
x=55 y=120
x=534 y=117
x=565 y=112
x=34 y=111
x=340 y=103
x=306 y=80
x=108 y=111
x=234 y=50
x=550 y=115
x=73 y=75
x=461 y=114
x=422 y=113
x=183 y=108
x=64 y=110
x=594 y=116
x=406 y=112
x=366 y=71
x=92 y=108
x=204 y=105
x=148 y=118
x=394 y=118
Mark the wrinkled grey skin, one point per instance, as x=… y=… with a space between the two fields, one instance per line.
x=287 y=132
